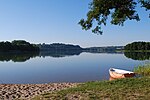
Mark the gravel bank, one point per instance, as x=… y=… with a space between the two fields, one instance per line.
x=27 y=91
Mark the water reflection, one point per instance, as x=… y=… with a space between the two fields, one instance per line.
x=17 y=57
x=82 y=68
x=24 y=56
x=59 y=53
x=138 y=55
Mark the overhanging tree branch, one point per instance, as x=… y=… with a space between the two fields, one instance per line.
x=119 y=10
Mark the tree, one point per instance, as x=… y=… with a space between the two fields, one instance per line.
x=118 y=10
x=137 y=46
x=18 y=45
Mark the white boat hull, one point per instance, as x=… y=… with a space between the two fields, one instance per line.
x=117 y=73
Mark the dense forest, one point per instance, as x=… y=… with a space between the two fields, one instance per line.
x=138 y=46
x=17 y=46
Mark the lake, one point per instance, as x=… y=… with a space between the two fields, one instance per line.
x=48 y=68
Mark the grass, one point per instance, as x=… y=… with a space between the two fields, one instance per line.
x=143 y=70
x=121 y=89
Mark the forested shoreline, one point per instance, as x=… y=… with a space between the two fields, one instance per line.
x=137 y=46
x=18 y=46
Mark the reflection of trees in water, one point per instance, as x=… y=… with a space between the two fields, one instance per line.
x=138 y=55
x=17 y=57
x=60 y=53
x=24 y=56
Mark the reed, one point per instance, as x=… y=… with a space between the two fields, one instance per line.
x=143 y=70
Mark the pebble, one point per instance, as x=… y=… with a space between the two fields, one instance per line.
x=27 y=91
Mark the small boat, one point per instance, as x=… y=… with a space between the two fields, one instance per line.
x=118 y=73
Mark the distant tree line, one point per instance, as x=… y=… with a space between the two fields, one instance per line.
x=138 y=46
x=108 y=49
x=59 y=47
x=17 y=45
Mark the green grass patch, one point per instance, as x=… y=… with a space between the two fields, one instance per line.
x=121 y=89
x=143 y=70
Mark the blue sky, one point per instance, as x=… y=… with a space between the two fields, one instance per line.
x=51 y=21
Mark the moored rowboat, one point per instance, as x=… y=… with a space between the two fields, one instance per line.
x=118 y=73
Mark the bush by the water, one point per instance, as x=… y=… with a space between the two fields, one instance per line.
x=143 y=70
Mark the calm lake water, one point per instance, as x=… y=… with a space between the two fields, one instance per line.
x=81 y=67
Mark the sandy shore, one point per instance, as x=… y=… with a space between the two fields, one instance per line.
x=26 y=91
